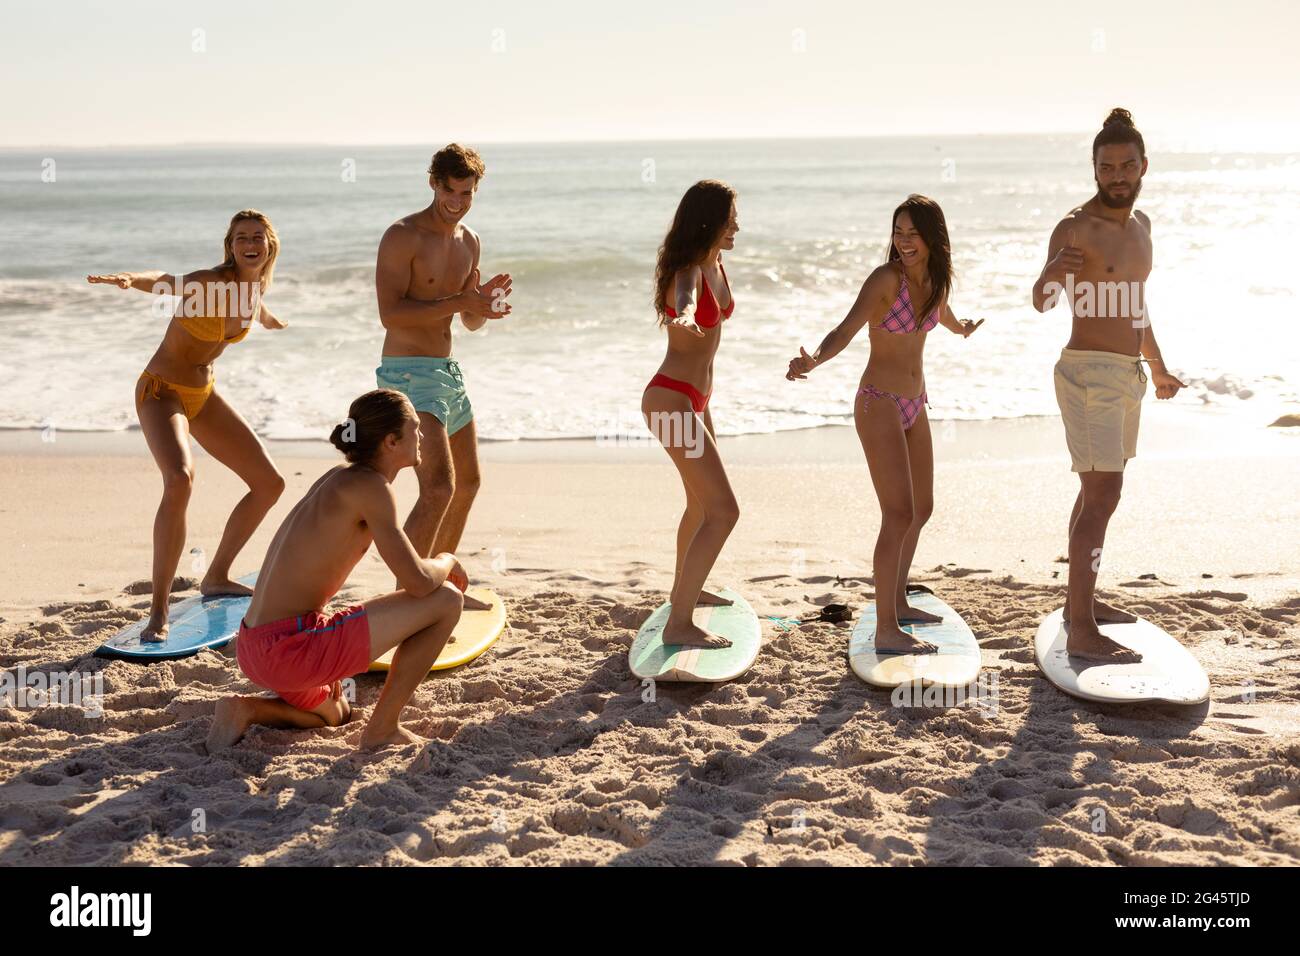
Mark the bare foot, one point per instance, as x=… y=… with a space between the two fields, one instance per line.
x=1090 y=644
x=211 y=587
x=897 y=641
x=337 y=709
x=1103 y=613
x=714 y=600
x=400 y=737
x=155 y=632
x=689 y=635
x=232 y=717
x=474 y=604
x=914 y=615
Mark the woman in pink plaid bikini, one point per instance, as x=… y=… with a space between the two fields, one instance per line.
x=889 y=409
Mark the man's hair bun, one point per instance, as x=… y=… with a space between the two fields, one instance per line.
x=1118 y=129
x=1119 y=115
x=336 y=438
x=371 y=418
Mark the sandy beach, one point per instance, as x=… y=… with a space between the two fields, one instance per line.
x=546 y=751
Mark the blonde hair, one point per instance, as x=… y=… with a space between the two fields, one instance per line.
x=272 y=240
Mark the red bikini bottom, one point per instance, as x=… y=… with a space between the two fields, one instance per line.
x=699 y=401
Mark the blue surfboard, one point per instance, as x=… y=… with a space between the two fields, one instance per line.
x=196 y=622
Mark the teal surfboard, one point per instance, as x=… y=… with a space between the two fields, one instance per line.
x=651 y=658
x=196 y=622
x=955 y=665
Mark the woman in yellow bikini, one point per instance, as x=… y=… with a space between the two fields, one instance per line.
x=175 y=398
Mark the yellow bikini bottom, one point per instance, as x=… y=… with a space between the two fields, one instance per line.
x=192 y=398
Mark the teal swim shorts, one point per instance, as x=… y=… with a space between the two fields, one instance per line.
x=434 y=385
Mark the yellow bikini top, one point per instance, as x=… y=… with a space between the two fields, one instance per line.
x=210 y=328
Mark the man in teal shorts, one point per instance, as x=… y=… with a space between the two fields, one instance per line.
x=427 y=272
x=434 y=386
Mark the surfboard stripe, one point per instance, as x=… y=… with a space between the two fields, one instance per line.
x=648 y=657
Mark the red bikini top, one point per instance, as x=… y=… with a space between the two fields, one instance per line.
x=707 y=312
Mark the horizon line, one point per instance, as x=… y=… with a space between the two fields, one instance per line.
x=1159 y=140
x=541 y=142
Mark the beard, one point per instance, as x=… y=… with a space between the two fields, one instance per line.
x=1113 y=202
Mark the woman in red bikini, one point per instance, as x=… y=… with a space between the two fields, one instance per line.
x=889 y=410
x=175 y=398
x=692 y=300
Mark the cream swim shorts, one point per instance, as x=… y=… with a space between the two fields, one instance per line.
x=1100 y=395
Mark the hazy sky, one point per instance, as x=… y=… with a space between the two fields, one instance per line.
x=401 y=71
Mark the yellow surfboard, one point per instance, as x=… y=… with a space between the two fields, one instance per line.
x=474 y=634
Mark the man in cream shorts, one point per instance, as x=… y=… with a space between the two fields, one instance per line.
x=1100 y=396
x=1099 y=256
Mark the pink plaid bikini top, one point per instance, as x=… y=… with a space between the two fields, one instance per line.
x=901 y=318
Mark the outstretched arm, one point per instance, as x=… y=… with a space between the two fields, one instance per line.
x=268 y=318
x=157 y=282
x=950 y=322
x=684 y=301
x=416 y=576
x=869 y=308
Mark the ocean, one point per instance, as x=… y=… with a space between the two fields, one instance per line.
x=577 y=226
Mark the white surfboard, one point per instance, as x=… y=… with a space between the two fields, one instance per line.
x=956 y=664
x=1167 y=671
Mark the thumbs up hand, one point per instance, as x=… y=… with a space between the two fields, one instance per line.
x=800 y=366
x=1069 y=260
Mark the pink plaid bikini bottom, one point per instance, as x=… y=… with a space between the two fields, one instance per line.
x=908 y=408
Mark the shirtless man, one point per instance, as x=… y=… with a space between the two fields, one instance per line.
x=286 y=645
x=1100 y=256
x=426 y=273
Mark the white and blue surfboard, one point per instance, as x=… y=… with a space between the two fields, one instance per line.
x=956 y=664
x=195 y=623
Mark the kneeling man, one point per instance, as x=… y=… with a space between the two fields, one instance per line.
x=287 y=645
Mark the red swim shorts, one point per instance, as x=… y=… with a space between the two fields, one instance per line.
x=301 y=657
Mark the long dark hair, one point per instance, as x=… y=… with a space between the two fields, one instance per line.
x=700 y=220
x=371 y=418
x=928 y=219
